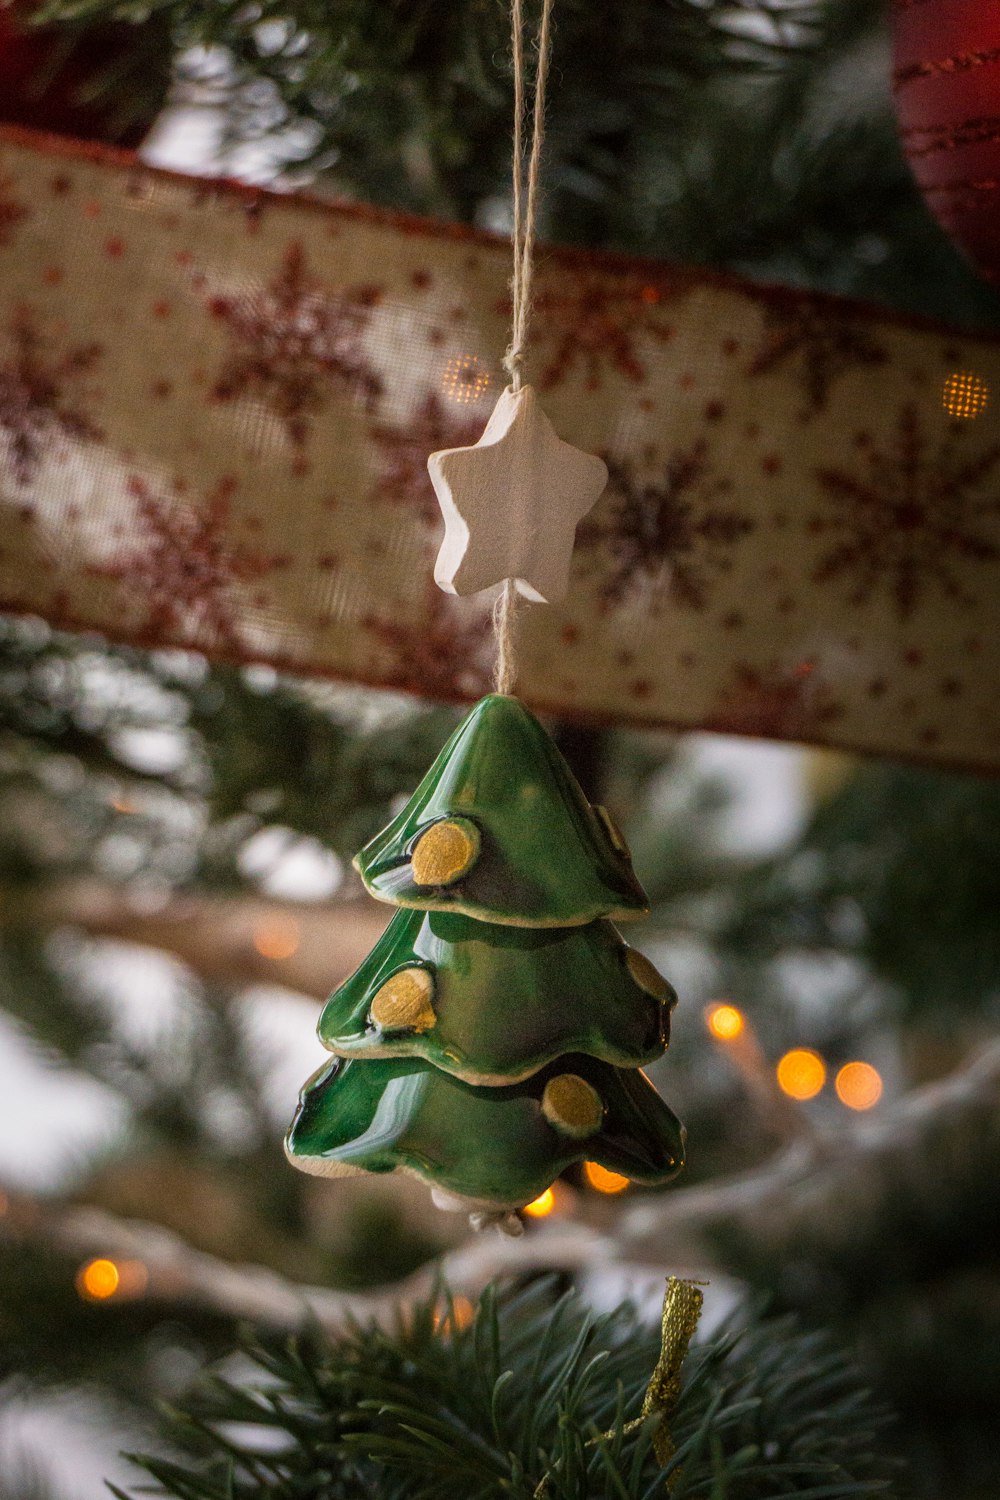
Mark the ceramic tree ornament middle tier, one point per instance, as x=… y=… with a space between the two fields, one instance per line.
x=495 y=1034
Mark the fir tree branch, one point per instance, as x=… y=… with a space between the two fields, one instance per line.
x=224 y=940
x=934 y=1156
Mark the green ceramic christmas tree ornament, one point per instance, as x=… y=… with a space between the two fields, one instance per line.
x=493 y=1004
x=499 y=830
x=494 y=1035
x=489 y=1147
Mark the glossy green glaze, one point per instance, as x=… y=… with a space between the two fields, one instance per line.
x=546 y=859
x=507 y=999
x=493 y=1145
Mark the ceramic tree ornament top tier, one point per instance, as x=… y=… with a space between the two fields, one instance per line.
x=499 y=830
x=494 y=1035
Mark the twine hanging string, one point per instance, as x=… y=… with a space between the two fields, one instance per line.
x=523 y=236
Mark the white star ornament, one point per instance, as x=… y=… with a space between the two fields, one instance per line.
x=511 y=503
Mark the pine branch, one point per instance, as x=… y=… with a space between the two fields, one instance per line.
x=232 y=941
x=838 y=1201
x=531 y=1398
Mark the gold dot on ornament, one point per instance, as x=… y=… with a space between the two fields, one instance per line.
x=964 y=395
x=403 y=1003
x=647 y=977
x=614 y=833
x=571 y=1106
x=445 y=852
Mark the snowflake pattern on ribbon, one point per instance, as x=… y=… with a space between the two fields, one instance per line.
x=776 y=701
x=801 y=538
x=40 y=394
x=291 y=341
x=187 y=571
x=672 y=534
x=909 y=518
x=597 y=321
x=448 y=651
x=12 y=211
x=826 y=348
x=403 y=451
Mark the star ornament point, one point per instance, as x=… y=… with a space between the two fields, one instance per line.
x=512 y=502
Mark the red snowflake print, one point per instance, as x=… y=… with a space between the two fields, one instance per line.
x=290 y=340
x=826 y=344
x=12 y=210
x=600 y=321
x=37 y=408
x=775 y=702
x=910 y=518
x=445 y=655
x=678 y=529
x=403 y=479
x=186 y=569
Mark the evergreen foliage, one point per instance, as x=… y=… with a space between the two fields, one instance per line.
x=755 y=134
x=531 y=1399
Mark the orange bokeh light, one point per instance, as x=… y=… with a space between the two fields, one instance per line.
x=858 y=1085
x=965 y=395
x=98 y=1280
x=277 y=938
x=604 y=1181
x=458 y=1316
x=542 y=1205
x=464 y=379
x=725 y=1022
x=801 y=1073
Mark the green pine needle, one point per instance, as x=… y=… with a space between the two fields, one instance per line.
x=531 y=1399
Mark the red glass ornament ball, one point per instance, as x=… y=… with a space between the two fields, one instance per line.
x=947 y=88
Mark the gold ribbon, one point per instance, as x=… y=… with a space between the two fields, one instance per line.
x=682 y=1305
x=681 y=1311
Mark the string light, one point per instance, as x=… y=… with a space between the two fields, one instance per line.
x=277 y=938
x=801 y=1073
x=464 y=379
x=604 y=1181
x=100 y=1279
x=725 y=1022
x=964 y=395
x=542 y=1206
x=858 y=1085
x=459 y=1315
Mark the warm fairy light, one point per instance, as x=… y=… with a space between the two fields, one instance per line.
x=801 y=1073
x=278 y=937
x=604 y=1181
x=964 y=395
x=725 y=1022
x=542 y=1205
x=123 y=804
x=99 y=1280
x=458 y=1315
x=858 y=1085
x=464 y=379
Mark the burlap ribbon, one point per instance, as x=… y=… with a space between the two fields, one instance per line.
x=216 y=406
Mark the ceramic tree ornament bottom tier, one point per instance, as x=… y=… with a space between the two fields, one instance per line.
x=492 y=1148
x=494 y=1035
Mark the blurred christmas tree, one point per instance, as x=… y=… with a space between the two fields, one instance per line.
x=156 y=803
